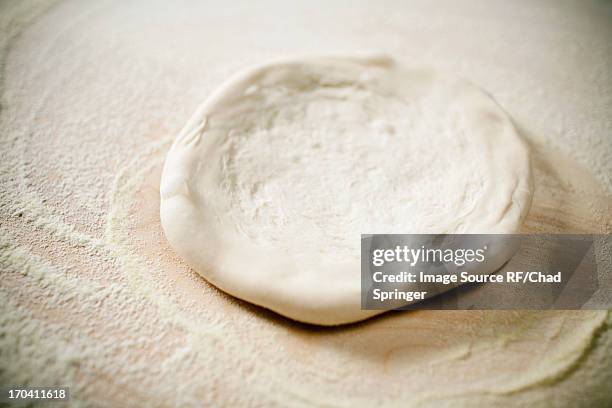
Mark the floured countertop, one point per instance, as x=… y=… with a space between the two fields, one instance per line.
x=91 y=296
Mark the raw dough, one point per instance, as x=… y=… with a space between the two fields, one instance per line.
x=266 y=190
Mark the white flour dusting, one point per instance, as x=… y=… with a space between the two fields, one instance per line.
x=92 y=297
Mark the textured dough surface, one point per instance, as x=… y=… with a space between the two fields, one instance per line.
x=267 y=189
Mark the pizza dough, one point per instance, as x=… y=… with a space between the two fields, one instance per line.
x=266 y=190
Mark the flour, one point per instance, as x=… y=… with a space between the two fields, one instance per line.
x=92 y=296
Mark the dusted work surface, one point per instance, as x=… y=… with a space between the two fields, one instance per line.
x=92 y=296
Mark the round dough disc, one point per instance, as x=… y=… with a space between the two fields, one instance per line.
x=266 y=190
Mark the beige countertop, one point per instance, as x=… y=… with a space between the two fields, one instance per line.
x=91 y=295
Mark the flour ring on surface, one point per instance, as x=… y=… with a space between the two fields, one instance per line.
x=266 y=190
